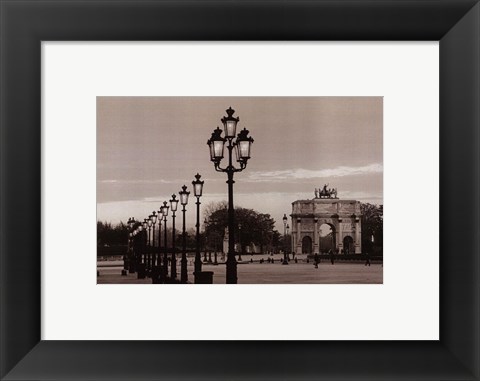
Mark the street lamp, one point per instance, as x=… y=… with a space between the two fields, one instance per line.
x=197 y=192
x=212 y=230
x=145 y=241
x=127 y=261
x=159 y=250
x=139 y=241
x=165 y=257
x=287 y=243
x=205 y=244
x=242 y=146
x=149 y=255
x=205 y=239
x=138 y=232
x=133 y=258
x=173 y=207
x=183 y=269
x=240 y=242
x=153 y=217
x=285 y=219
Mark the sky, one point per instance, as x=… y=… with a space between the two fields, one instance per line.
x=148 y=147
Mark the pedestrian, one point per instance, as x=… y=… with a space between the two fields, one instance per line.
x=332 y=257
x=368 y=259
x=315 y=259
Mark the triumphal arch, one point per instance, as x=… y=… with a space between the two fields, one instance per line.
x=343 y=217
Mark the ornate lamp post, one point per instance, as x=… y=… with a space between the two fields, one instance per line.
x=210 y=225
x=130 y=223
x=242 y=146
x=136 y=248
x=240 y=242
x=173 y=207
x=197 y=192
x=183 y=269
x=159 y=250
x=206 y=246
x=153 y=217
x=145 y=241
x=285 y=261
x=165 y=257
x=138 y=251
x=127 y=260
x=149 y=256
x=205 y=240
x=133 y=235
x=288 y=246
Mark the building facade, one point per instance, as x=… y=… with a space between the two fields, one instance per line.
x=343 y=217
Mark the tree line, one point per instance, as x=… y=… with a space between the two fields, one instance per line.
x=252 y=228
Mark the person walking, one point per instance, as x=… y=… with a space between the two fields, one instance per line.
x=315 y=257
x=332 y=257
x=368 y=259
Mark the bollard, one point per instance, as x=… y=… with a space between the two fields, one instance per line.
x=141 y=271
x=205 y=277
x=157 y=275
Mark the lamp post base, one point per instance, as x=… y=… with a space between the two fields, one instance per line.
x=198 y=269
x=232 y=271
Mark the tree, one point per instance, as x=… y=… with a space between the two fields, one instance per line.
x=372 y=225
x=190 y=239
x=110 y=235
x=256 y=228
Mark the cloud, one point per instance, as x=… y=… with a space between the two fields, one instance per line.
x=153 y=181
x=300 y=173
x=143 y=181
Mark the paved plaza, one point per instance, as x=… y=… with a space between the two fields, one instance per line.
x=266 y=273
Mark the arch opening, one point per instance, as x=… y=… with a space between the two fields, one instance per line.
x=307 y=245
x=348 y=246
x=326 y=238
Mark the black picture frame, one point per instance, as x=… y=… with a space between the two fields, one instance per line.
x=24 y=24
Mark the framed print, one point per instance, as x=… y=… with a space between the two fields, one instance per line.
x=153 y=110
x=260 y=234
x=225 y=349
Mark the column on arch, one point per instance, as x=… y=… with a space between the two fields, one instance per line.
x=340 y=236
x=358 y=237
x=315 y=236
x=293 y=236
x=299 y=236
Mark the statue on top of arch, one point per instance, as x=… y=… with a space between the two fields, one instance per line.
x=326 y=192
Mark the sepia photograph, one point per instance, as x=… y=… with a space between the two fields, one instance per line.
x=239 y=190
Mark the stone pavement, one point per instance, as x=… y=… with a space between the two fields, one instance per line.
x=266 y=273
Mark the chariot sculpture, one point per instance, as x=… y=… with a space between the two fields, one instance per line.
x=326 y=192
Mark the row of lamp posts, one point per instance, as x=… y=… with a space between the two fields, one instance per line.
x=241 y=143
x=145 y=257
